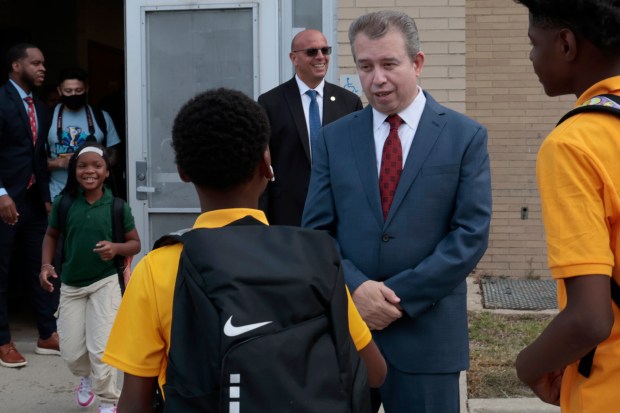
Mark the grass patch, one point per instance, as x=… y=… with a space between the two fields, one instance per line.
x=495 y=341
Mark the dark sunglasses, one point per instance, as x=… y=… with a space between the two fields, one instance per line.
x=313 y=51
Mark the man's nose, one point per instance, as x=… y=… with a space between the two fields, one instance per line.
x=379 y=76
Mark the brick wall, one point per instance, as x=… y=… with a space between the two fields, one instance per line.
x=503 y=93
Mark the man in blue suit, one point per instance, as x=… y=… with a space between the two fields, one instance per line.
x=408 y=198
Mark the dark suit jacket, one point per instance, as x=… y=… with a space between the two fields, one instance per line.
x=434 y=235
x=18 y=158
x=283 y=201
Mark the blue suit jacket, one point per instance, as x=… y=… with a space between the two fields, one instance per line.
x=435 y=233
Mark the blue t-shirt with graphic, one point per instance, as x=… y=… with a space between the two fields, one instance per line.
x=74 y=133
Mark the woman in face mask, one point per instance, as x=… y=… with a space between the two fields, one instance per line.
x=74 y=122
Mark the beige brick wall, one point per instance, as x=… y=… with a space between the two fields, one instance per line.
x=504 y=94
x=442 y=35
x=477 y=63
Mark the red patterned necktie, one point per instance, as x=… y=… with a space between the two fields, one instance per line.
x=33 y=118
x=33 y=127
x=391 y=165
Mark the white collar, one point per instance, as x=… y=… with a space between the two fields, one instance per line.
x=22 y=93
x=303 y=88
x=411 y=114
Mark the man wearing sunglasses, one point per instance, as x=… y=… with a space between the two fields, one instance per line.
x=295 y=114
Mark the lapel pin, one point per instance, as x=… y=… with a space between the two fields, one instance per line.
x=333 y=98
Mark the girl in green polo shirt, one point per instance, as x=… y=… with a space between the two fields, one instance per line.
x=90 y=293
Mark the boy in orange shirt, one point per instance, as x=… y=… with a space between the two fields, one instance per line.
x=576 y=50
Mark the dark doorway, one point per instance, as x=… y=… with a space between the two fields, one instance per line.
x=86 y=33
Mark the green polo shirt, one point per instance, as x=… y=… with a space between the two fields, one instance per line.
x=87 y=224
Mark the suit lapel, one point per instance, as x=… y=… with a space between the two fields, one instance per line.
x=363 y=143
x=14 y=95
x=41 y=132
x=431 y=124
x=293 y=100
x=329 y=103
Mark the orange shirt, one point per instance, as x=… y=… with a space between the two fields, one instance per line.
x=578 y=172
x=140 y=338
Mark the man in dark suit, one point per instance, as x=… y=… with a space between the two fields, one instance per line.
x=289 y=108
x=404 y=187
x=24 y=195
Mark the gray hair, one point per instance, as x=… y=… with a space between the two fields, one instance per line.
x=378 y=24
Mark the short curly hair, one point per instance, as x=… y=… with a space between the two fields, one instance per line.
x=595 y=20
x=219 y=137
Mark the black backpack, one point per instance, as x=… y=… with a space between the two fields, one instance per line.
x=260 y=324
x=118 y=233
x=603 y=104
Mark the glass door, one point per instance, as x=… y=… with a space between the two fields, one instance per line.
x=173 y=53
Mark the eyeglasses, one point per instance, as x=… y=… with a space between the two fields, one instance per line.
x=313 y=51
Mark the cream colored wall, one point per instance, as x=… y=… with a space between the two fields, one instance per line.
x=503 y=93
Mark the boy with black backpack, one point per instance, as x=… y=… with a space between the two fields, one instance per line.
x=235 y=315
x=575 y=362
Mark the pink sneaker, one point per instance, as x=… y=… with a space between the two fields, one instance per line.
x=84 y=395
x=107 y=408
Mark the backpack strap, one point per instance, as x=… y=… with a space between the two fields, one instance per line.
x=602 y=104
x=100 y=120
x=585 y=364
x=118 y=236
x=170 y=239
x=177 y=236
x=61 y=213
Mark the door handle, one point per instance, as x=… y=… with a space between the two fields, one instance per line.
x=141 y=189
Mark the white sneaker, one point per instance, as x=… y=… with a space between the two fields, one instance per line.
x=84 y=395
x=107 y=408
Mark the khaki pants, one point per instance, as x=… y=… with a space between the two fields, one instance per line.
x=85 y=318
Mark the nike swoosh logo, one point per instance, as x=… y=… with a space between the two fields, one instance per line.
x=231 y=331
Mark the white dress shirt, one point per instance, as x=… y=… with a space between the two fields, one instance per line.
x=411 y=117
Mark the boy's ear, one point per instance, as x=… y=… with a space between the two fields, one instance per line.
x=183 y=175
x=568 y=43
x=265 y=166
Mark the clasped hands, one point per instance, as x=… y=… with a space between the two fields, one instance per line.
x=377 y=304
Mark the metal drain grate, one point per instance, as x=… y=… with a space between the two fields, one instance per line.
x=511 y=294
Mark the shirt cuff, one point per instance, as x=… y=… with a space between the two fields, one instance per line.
x=3 y=192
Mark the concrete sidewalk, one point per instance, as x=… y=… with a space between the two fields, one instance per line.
x=46 y=385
